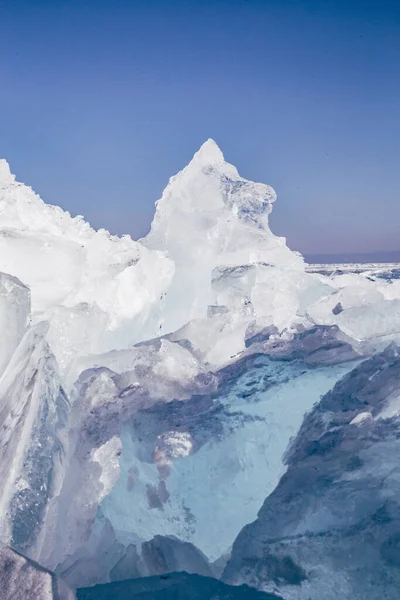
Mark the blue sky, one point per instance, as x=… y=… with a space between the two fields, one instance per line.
x=102 y=101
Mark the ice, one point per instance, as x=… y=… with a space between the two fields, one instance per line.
x=161 y=381
x=14 y=315
x=185 y=453
x=181 y=464
x=210 y=264
x=161 y=555
x=161 y=367
x=391 y=290
x=33 y=419
x=103 y=401
x=23 y=579
x=75 y=332
x=107 y=457
x=167 y=554
x=66 y=263
x=330 y=528
x=100 y=292
x=209 y=196
x=364 y=309
x=210 y=218
x=93 y=466
x=5 y=173
x=361 y=418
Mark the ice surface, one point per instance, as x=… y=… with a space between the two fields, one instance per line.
x=5 y=173
x=182 y=459
x=210 y=256
x=66 y=263
x=167 y=554
x=100 y=292
x=14 y=316
x=214 y=225
x=364 y=309
x=183 y=478
x=104 y=401
x=330 y=528
x=75 y=332
x=33 y=419
x=23 y=579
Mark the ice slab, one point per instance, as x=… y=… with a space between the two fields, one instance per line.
x=15 y=307
x=33 y=419
x=330 y=528
x=23 y=579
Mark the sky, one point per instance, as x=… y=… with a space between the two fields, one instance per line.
x=101 y=101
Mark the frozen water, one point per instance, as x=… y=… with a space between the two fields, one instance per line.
x=228 y=476
x=181 y=460
x=331 y=526
x=75 y=332
x=189 y=359
x=66 y=263
x=33 y=419
x=5 y=173
x=23 y=579
x=364 y=309
x=214 y=225
x=14 y=316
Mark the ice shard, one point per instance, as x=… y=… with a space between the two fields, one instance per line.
x=331 y=527
x=214 y=225
x=33 y=424
x=15 y=308
x=24 y=579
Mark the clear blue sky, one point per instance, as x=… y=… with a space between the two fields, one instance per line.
x=102 y=100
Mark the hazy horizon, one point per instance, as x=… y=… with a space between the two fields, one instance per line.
x=356 y=257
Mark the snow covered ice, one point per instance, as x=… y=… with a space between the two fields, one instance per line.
x=149 y=387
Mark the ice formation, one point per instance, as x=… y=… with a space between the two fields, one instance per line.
x=96 y=290
x=15 y=311
x=147 y=386
x=331 y=527
x=33 y=420
x=214 y=225
x=23 y=579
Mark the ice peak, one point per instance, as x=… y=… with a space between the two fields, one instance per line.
x=208 y=154
x=5 y=173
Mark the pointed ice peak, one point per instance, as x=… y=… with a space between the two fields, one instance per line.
x=5 y=173
x=208 y=154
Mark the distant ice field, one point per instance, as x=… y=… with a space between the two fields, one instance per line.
x=388 y=271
